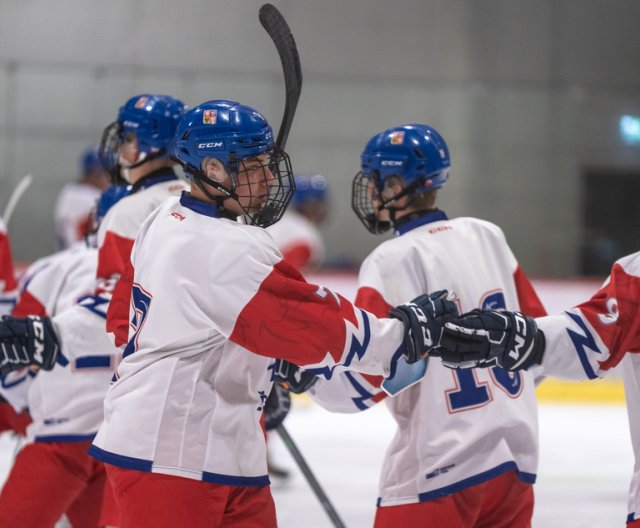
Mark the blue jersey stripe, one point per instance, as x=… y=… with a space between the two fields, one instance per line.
x=93 y=362
x=122 y=461
x=64 y=438
x=528 y=478
x=140 y=464
x=230 y=480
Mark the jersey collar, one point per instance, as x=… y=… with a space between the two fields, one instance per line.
x=423 y=218
x=198 y=206
x=154 y=178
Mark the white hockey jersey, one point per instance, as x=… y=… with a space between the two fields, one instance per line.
x=212 y=302
x=590 y=339
x=298 y=240
x=72 y=213
x=117 y=232
x=8 y=289
x=65 y=403
x=456 y=428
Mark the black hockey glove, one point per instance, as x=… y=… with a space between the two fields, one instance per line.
x=25 y=342
x=292 y=377
x=480 y=338
x=277 y=407
x=423 y=320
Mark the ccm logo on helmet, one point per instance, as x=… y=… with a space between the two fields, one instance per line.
x=212 y=145
x=391 y=163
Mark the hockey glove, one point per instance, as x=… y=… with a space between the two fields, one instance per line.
x=292 y=377
x=479 y=338
x=25 y=342
x=277 y=407
x=423 y=320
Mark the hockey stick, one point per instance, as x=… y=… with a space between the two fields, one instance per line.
x=276 y=26
x=17 y=193
x=311 y=479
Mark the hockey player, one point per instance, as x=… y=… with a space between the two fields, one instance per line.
x=76 y=201
x=465 y=451
x=10 y=420
x=212 y=302
x=8 y=286
x=296 y=234
x=65 y=403
x=585 y=342
x=134 y=150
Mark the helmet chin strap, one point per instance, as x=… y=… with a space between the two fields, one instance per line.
x=407 y=191
x=200 y=179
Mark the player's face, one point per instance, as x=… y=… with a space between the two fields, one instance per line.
x=381 y=215
x=129 y=149
x=253 y=182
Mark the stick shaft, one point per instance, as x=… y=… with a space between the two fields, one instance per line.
x=17 y=193
x=311 y=479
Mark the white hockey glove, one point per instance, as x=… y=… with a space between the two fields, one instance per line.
x=480 y=338
x=25 y=342
x=423 y=320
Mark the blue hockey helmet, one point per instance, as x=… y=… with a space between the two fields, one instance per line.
x=90 y=161
x=232 y=132
x=416 y=153
x=153 y=120
x=310 y=187
x=108 y=198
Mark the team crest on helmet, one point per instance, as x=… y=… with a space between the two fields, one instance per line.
x=397 y=137
x=209 y=117
x=142 y=102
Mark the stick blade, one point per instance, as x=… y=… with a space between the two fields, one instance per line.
x=276 y=26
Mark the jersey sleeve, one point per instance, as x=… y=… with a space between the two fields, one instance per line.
x=314 y=327
x=355 y=391
x=113 y=257
x=28 y=304
x=588 y=340
x=8 y=287
x=118 y=311
x=114 y=262
x=528 y=299
x=14 y=387
x=41 y=288
x=297 y=255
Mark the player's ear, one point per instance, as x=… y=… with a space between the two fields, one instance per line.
x=215 y=170
x=393 y=186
